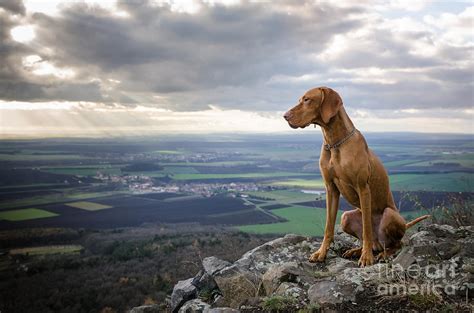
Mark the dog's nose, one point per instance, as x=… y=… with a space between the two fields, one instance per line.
x=287 y=115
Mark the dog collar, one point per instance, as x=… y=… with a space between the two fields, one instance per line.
x=328 y=147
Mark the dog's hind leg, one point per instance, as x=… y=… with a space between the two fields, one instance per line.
x=352 y=253
x=351 y=223
x=390 y=232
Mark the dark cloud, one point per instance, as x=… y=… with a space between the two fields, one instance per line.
x=158 y=50
x=14 y=6
x=16 y=83
x=252 y=56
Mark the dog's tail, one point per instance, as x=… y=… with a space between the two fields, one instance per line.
x=417 y=220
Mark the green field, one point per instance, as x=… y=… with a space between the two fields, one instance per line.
x=301 y=220
x=82 y=171
x=168 y=152
x=68 y=195
x=304 y=221
x=180 y=170
x=38 y=157
x=88 y=206
x=29 y=185
x=35 y=251
x=303 y=183
x=463 y=162
x=458 y=182
x=283 y=196
x=25 y=214
x=395 y=149
x=154 y=174
x=400 y=162
x=433 y=182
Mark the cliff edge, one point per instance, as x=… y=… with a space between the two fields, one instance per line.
x=433 y=271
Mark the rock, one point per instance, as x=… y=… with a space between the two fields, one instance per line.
x=195 y=306
x=204 y=282
x=468 y=268
x=212 y=264
x=276 y=274
x=324 y=293
x=405 y=257
x=183 y=291
x=441 y=231
x=423 y=253
x=437 y=255
x=222 y=310
x=446 y=250
x=342 y=242
x=244 y=278
x=236 y=285
x=291 y=290
x=338 y=265
x=361 y=278
x=421 y=238
x=154 y=308
x=465 y=231
x=277 y=252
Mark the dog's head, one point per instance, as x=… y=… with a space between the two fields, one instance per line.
x=316 y=106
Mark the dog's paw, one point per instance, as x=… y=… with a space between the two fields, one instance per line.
x=382 y=256
x=318 y=256
x=366 y=258
x=352 y=253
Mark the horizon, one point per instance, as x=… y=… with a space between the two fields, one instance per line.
x=113 y=68
x=216 y=136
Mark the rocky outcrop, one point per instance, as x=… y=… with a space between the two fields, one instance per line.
x=434 y=269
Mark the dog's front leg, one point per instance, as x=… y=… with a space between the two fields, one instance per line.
x=367 y=257
x=332 y=205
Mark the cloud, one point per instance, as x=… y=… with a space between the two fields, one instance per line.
x=159 y=51
x=13 y=6
x=34 y=82
x=246 y=56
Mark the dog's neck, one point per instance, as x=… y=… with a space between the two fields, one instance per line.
x=339 y=127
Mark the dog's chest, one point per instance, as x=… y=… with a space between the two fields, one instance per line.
x=333 y=166
x=337 y=173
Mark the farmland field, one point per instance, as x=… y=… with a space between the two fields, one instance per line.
x=303 y=183
x=407 y=182
x=88 y=206
x=82 y=171
x=127 y=211
x=44 y=250
x=283 y=196
x=25 y=214
x=100 y=219
x=462 y=182
x=304 y=221
x=301 y=220
x=224 y=180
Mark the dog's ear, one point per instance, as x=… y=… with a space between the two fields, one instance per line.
x=331 y=103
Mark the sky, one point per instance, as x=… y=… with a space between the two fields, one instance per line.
x=127 y=68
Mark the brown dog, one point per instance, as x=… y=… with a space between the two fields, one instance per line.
x=350 y=168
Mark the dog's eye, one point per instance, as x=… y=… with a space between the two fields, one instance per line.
x=306 y=100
